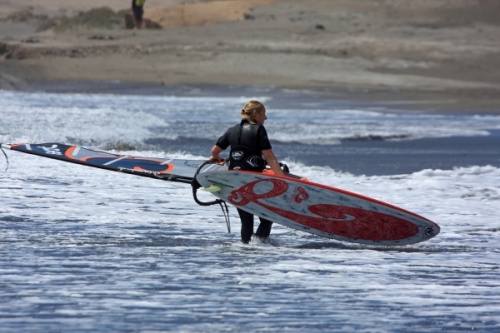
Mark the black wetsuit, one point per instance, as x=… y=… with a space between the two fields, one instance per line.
x=247 y=142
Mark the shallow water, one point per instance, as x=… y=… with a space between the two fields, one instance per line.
x=84 y=249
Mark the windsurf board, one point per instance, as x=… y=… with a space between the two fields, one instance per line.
x=291 y=201
x=319 y=209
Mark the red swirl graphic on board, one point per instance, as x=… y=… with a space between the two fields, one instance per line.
x=300 y=194
x=246 y=193
x=343 y=221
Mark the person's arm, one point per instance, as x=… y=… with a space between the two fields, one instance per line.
x=216 y=150
x=272 y=161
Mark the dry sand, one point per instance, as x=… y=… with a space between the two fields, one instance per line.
x=443 y=51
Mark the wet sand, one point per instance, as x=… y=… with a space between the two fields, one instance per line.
x=430 y=54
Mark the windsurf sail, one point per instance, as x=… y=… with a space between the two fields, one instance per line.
x=176 y=170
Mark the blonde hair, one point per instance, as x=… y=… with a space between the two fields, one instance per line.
x=249 y=108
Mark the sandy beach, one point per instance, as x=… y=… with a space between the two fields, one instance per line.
x=441 y=52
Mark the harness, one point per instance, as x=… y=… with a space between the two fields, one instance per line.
x=243 y=158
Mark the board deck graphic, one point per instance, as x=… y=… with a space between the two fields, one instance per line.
x=166 y=169
x=319 y=209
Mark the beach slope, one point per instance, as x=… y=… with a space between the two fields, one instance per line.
x=427 y=50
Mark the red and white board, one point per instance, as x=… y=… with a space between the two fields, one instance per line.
x=319 y=209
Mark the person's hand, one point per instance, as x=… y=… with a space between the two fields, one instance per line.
x=216 y=160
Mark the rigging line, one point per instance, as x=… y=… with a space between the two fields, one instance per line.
x=6 y=159
x=195 y=186
x=225 y=212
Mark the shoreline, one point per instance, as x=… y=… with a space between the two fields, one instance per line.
x=388 y=100
x=433 y=55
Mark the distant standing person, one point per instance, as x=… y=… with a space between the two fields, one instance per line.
x=138 y=12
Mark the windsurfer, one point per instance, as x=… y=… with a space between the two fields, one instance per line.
x=250 y=150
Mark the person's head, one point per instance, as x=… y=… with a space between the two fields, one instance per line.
x=254 y=112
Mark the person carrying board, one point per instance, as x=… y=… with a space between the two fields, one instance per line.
x=250 y=150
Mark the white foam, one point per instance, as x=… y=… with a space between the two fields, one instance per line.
x=88 y=118
x=85 y=248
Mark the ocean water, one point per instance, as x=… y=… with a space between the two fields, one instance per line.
x=87 y=250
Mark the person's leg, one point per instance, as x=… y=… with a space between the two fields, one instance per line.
x=137 y=13
x=246 y=226
x=264 y=229
x=140 y=24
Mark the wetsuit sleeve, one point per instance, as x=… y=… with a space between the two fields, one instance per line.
x=263 y=140
x=223 y=141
